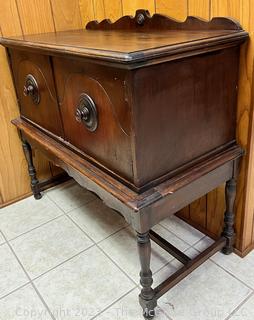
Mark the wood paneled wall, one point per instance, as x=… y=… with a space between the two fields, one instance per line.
x=17 y=17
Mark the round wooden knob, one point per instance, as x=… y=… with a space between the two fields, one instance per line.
x=31 y=89
x=28 y=90
x=86 y=112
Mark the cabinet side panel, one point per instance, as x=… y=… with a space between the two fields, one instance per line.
x=189 y=103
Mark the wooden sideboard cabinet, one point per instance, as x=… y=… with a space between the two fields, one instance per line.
x=143 y=113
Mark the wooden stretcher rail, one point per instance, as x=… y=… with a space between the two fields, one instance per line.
x=179 y=255
x=193 y=264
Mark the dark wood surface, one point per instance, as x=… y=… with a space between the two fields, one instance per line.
x=143 y=21
x=145 y=210
x=229 y=218
x=150 y=206
x=151 y=122
x=131 y=42
x=149 y=138
x=46 y=113
x=148 y=131
x=110 y=144
x=183 y=110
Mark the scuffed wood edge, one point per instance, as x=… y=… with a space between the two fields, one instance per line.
x=144 y=21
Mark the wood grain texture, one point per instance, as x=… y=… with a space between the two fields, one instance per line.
x=245 y=197
x=9 y=18
x=245 y=194
x=184 y=213
x=130 y=7
x=215 y=211
x=244 y=214
x=13 y=175
x=14 y=180
x=66 y=14
x=86 y=11
x=99 y=10
x=200 y=8
x=177 y=9
x=197 y=210
x=113 y=9
x=247 y=12
x=227 y=8
x=36 y=18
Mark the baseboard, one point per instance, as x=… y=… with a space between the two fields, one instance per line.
x=44 y=185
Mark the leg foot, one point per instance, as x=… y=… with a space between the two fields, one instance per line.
x=228 y=231
x=147 y=297
x=31 y=169
x=148 y=307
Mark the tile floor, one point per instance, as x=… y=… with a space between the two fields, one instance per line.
x=68 y=256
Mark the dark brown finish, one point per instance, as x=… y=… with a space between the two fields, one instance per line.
x=154 y=204
x=44 y=112
x=110 y=144
x=203 y=89
x=31 y=170
x=126 y=42
x=144 y=22
x=134 y=140
x=143 y=210
x=143 y=113
x=228 y=231
x=146 y=296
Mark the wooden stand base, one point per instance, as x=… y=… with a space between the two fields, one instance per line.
x=145 y=209
x=148 y=297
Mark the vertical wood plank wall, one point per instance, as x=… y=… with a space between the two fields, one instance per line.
x=16 y=17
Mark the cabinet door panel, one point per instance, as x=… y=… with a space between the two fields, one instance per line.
x=36 y=90
x=104 y=136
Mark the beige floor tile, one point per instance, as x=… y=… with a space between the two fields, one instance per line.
x=26 y=215
x=23 y=304
x=83 y=286
x=172 y=267
x=70 y=196
x=97 y=220
x=12 y=275
x=207 y=293
x=122 y=248
x=203 y=244
x=182 y=230
x=47 y=246
x=2 y=240
x=243 y=269
x=246 y=312
x=128 y=308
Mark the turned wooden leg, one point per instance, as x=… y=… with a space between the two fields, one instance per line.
x=147 y=297
x=228 y=231
x=31 y=169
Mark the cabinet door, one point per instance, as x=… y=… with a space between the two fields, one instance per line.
x=95 y=113
x=35 y=88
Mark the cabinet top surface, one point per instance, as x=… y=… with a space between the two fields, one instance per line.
x=134 y=39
